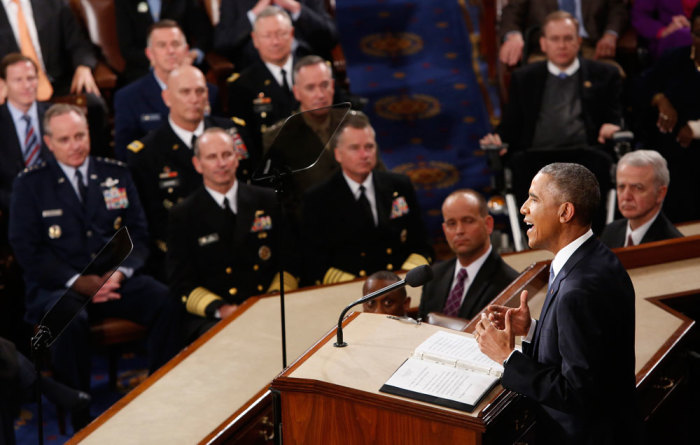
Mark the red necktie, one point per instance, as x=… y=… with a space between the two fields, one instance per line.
x=454 y=301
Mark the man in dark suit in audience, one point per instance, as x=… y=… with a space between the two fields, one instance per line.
x=161 y=163
x=47 y=32
x=135 y=18
x=63 y=211
x=262 y=94
x=642 y=183
x=139 y=106
x=463 y=286
x=564 y=102
x=602 y=21
x=579 y=355
x=315 y=33
x=361 y=220
x=223 y=239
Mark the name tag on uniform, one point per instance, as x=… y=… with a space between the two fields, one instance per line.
x=208 y=239
x=115 y=198
x=150 y=117
x=51 y=213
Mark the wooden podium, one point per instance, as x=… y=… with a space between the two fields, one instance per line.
x=331 y=395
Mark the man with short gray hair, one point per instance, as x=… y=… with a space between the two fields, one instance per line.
x=642 y=183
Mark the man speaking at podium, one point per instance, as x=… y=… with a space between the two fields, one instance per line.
x=578 y=359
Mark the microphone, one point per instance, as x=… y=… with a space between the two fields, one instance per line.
x=414 y=278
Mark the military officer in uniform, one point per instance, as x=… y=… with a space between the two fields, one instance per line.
x=222 y=239
x=262 y=93
x=161 y=163
x=63 y=211
x=360 y=221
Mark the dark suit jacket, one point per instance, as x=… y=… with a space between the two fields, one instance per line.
x=233 y=262
x=243 y=99
x=333 y=235
x=582 y=354
x=133 y=25
x=54 y=236
x=63 y=43
x=11 y=152
x=614 y=233
x=139 y=108
x=600 y=86
x=493 y=276
x=598 y=15
x=315 y=31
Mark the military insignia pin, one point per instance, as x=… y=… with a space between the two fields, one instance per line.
x=55 y=231
x=117 y=223
x=115 y=198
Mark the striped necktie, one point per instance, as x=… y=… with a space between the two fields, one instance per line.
x=31 y=146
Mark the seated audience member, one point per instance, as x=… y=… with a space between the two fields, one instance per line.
x=262 y=94
x=315 y=33
x=62 y=213
x=47 y=32
x=599 y=23
x=222 y=240
x=18 y=385
x=395 y=302
x=642 y=182
x=161 y=163
x=135 y=17
x=673 y=87
x=664 y=24
x=361 y=220
x=20 y=123
x=563 y=102
x=139 y=106
x=463 y=286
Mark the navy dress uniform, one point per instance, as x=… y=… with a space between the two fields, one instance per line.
x=161 y=165
x=216 y=258
x=338 y=245
x=55 y=235
x=256 y=97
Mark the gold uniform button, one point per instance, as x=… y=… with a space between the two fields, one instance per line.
x=233 y=291
x=228 y=271
x=184 y=298
x=256 y=267
x=388 y=251
x=363 y=273
x=389 y=267
x=260 y=287
x=363 y=254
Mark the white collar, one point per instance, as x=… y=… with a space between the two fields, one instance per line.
x=473 y=267
x=276 y=70
x=355 y=187
x=70 y=171
x=230 y=195
x=565 y=253
x=569 y=71
x=639 y=232
x=186 y=135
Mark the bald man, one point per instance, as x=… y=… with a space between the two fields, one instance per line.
x=464 y=285
x=161 y=163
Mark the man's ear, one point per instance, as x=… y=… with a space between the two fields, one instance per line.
x=566 y=212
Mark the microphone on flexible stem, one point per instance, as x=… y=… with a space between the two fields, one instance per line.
x=414 y=278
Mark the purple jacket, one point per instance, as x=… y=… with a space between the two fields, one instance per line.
x=650 y=16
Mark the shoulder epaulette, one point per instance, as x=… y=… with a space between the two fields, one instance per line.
x=238 y=121
x=33 y=168
x=110 y=161
x=233 y=77
x=135 y=146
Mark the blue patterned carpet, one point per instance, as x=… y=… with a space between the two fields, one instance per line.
x=414 y=61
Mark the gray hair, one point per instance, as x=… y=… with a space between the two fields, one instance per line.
x=59 y=110
x=271 y=11
x=210 y=130
x=308 y=61
x=648 y=158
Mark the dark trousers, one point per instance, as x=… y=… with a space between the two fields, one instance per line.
x=143 y=300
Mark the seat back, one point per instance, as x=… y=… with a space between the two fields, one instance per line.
x=98 y=18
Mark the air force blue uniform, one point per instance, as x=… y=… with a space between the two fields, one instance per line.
x=55 y=235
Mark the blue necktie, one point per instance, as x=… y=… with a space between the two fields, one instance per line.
x=551 y=278
x=562 y=75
